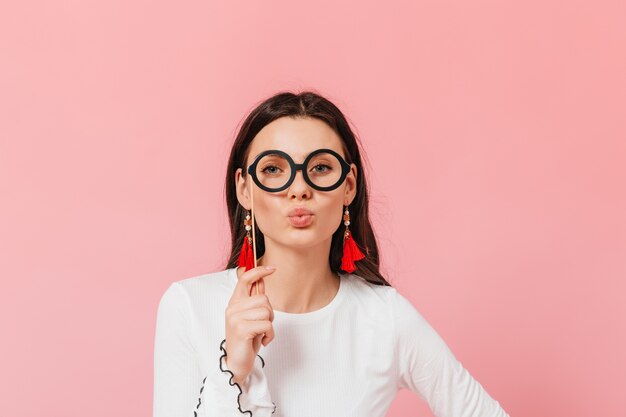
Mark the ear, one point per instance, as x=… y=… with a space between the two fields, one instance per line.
x=350 y=192
x=241 y=185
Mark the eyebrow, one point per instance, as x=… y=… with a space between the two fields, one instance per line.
x=304 y=156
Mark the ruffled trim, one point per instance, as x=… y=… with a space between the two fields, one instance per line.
x=231 y=382
x=195 y=412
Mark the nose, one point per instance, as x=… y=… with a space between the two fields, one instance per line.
x=299 y=188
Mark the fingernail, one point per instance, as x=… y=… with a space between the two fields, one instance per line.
x=270 y=267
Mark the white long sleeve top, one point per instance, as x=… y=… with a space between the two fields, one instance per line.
x=347 y=359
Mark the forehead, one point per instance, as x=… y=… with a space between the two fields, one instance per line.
x=296 y=136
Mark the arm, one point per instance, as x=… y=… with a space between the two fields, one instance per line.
x=180 y=389
x=427 y=367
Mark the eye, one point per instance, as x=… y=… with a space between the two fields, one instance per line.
x=323 y=166
x=273 y=169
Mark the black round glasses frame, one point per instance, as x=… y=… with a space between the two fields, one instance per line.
x=345 y=169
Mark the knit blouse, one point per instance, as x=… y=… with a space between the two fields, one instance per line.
x=348 y=358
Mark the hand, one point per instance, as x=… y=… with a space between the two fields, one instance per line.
x=248 y=323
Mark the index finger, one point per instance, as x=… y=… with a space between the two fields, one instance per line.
x=247 y=278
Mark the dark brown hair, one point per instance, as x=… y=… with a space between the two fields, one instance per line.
x=306 y=104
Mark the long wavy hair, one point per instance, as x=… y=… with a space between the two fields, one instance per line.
x=306 y=104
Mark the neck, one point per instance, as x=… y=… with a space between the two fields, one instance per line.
x=303 y=281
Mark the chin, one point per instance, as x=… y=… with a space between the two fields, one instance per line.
x=302 y=237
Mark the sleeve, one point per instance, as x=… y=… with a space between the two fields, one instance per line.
x=180 y=389
x=427 y=367
x=254 y=398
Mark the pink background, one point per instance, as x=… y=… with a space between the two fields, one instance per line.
x=495 y=134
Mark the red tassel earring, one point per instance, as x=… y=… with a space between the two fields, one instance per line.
x=351 y=251
x=246 y=256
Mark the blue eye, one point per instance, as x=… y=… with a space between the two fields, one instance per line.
x=323 y=166
x=264 y=170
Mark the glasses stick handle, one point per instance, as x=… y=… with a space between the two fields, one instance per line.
x=256 y=286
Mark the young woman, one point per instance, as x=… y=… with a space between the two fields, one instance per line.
x=321 y=333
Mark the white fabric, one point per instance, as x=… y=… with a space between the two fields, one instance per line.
x=346 y=359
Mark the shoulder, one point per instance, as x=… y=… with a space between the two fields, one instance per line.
x=370 y=301
x=366 y=290
x=218 y=280
x=400 y=309
x=210 y=288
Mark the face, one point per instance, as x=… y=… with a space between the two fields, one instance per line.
x=298 y=138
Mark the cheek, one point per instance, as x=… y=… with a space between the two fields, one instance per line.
x=268 y=211
x=332 y=214
x=335 y=220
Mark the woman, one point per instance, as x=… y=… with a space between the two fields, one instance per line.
x=322 y=333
